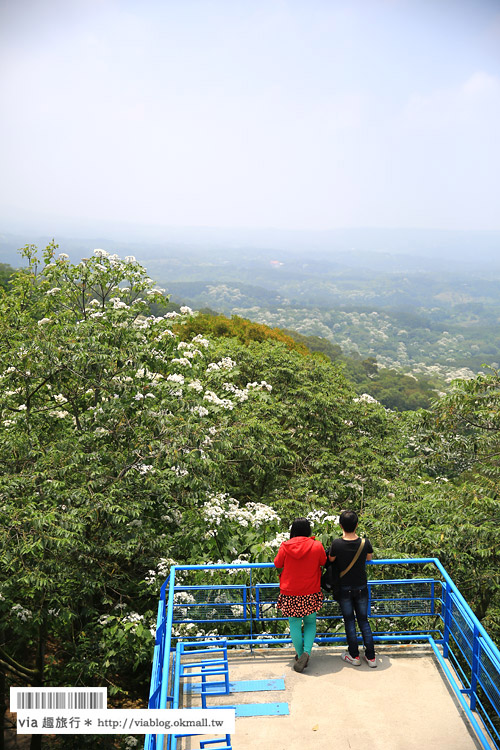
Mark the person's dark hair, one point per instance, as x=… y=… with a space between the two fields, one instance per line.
x=300 y=527
x=348 y=520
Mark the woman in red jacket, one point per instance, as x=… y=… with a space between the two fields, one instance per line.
x=301 y=558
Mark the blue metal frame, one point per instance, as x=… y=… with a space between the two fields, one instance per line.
x=461 y=645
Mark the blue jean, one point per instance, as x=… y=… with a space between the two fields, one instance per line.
x=354 y=603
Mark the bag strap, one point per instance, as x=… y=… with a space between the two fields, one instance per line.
x=360 y=548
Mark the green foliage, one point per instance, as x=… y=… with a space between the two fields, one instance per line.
x=104 y=435
x=6 y=273
x=244 y=330
x=395 y=390
x=308 y=435
x=448 y=506
x=134 y=436
x=423 y=321
x=451 y=522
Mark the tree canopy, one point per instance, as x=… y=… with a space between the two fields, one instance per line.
x=132 y=439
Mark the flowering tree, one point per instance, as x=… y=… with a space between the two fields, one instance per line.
x=310 y=441
x=110 y=426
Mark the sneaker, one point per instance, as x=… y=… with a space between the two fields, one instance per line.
x=371 y=662
x=301 y=662
x=351 y=660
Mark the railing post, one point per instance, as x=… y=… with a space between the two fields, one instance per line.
x=475 y=668
x=164 y=697
x=447 y=619
x=251 y=611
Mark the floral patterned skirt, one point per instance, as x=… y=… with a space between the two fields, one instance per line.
x=300 y=606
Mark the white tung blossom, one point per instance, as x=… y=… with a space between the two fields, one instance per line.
x=176 y=377
x=23 y=614
x=119 y=304
x=144 y=468
x=222 y=507
x=164 y=333
x=201 y=341
x=367 y=399
x=241 y=395
x=212 y=397
x=226 y=363
x=201 y=411
x=131 y=742
x=177 y=392
x=133 y=617
x=263 y=385
x=321 y=516
x=43 y=321
x=275 y=543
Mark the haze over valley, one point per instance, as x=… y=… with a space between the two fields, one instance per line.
x=421 y=302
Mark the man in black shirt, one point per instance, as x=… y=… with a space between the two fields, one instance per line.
x=353 y=587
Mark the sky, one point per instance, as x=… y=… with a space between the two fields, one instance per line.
x=289 y=114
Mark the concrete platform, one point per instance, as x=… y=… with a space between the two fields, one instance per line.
x=404 y=704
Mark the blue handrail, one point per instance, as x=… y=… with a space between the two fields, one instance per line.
x=467 y=649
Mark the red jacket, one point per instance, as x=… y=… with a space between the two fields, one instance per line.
x=301 y=559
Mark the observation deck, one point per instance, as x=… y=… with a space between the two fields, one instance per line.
x=221 y=642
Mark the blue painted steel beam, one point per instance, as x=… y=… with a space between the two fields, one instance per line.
x=262 y=709
x=244 y=686
x=481 y=736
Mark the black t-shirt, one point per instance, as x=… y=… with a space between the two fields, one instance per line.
x=344 y=550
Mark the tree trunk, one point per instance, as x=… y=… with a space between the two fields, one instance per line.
x=3 y=709
x=36 y=739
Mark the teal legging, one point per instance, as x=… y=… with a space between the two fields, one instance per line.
x=303 y=641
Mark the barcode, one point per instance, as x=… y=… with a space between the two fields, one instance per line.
x=58 y=698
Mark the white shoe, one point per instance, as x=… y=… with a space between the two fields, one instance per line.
x=351 y=660
x=371 y=662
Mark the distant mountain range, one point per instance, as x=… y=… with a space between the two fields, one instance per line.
x=419 y=301
x=387 y=250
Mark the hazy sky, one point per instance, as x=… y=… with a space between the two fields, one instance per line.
x=296 y=114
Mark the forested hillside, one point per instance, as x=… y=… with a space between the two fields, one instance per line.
x=435 y=317
x=394 y=389
x=133 y=436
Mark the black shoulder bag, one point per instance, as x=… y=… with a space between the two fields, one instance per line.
x=330 y=578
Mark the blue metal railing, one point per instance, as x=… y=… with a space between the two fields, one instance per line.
x=410 y=609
